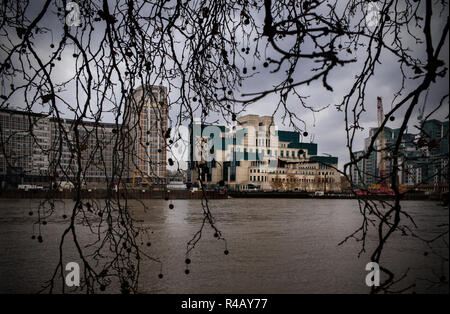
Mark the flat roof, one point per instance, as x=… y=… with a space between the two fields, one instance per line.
x=22 y=112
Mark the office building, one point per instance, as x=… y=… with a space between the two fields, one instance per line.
x=43 y=150
x=255 y=155
x=422 y=158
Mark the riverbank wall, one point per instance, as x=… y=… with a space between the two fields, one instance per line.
x=213 y=194
x=101 y=194
x=305 y=195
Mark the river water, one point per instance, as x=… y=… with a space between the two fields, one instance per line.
x=275 y=245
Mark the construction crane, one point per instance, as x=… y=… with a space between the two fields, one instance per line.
x=134 y=177
x=381 y=143
x=420 y=117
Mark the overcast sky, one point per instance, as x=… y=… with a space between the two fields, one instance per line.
x=326 y=128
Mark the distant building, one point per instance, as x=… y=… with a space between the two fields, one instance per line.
x=254 y=155
x=42 y=150
x=176 y=180
x=358 y=173
x=422 y=158
x=433 y=145
x=146 y=118
x=99 y=156
x=27 y=158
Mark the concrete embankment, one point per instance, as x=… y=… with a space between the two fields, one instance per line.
x=406 y=196
x=130 y=194
x=185 y=194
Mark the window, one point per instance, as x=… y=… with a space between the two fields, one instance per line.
x=233 y=173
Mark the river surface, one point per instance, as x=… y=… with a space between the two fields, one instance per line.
x=275 y=245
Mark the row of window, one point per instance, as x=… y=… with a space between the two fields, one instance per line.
x=264 y=179
x=258 y=178
x=262 y=142
x=323 y=173
x=283 y=153
x=264 y=171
